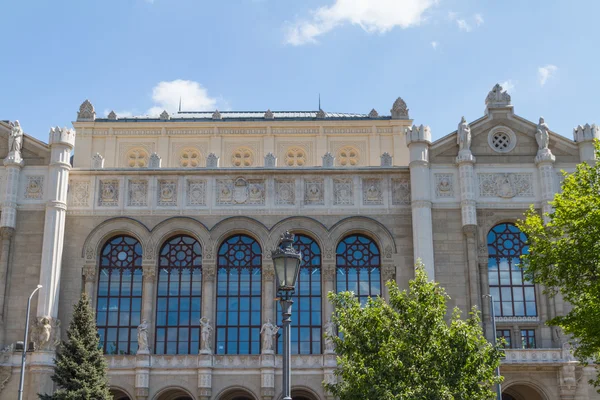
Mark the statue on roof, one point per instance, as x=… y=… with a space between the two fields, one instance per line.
x=497 y=97
x=542 y=135
x=463 y=135
x=15 y=139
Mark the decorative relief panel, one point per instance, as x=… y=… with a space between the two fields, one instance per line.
x=444 y=185
x=372 y=191
x=208 y=131
x=108 y=193
x=190 y=157
x=295 y=154
x=123 y=132
x=314 y=192
x=348 y=156
x=506 y=185
x=167 y=192
x=285 y=192
x=138 y=193
x=401 y=191
x=385 y=130
x=352 y=152
x=348 y=130
x=295 y=157
x=79 y=193
x=196 y=192
x=242 y=131
x=240 y=191
x=34 y=189
x=242 y=157
x=343 y=191
x=295 y=131
x=135 y=155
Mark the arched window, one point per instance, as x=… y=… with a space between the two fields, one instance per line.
x=179 y=295
x=306 y=324
x=239 y=296
x=358 y=267
x=119 y=300
x=514 y=296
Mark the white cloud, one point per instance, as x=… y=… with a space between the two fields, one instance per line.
x=434 y=44
x=546 y=72
x=452 y=15
x=374 y=16
x=509 y=86
x=479 y=19
x=193 y=97
x=463 y=25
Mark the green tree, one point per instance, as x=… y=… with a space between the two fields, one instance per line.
x=564 y=256
x=406 y=349
x=80 y=367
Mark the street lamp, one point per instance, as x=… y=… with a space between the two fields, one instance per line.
x=493 y=315
x=24 y=354
x=286 y=261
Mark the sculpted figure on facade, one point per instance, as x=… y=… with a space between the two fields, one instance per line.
x=142 y=337
x=542 y=135
x=46 y=333
x=463 y=136
x=267 y=331
x=15 y=140
x=329 y=334
x=205 y=334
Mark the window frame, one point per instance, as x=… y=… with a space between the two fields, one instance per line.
x=350 y=262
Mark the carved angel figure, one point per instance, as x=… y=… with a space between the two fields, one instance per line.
x=542 y=135
x=15 y=139
x=329 y=334
x=142 y=336
x=463 y=136
x=205 y=332
x=267 y=331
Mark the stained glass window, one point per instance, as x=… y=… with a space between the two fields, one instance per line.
x=514 y=296
x=358 y=263
x=119 y=299
x=306 y=311
x=239 y=296
x=179 y=295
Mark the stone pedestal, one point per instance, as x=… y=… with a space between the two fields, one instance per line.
x=267 y=376
x=205 y=368
x=142 y=375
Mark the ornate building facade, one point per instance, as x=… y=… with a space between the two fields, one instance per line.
x=168 y=224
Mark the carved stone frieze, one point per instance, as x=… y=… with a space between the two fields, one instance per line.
x=328 y=271
x=209 y=272
x=268 y=272
x=372 y=191
x=89 y=253
x=506 y=185
x=240 y=191
x=79 y=193
x=89 y=273
x=137 y=193
x=401 y=191
x=314 y=192
x=343 y=191
x=196 y=192
x=285 y=192
x=34 y=189
x=149 y=273
x=167 y=192
x=444 y=185
x=388 y=272
x=108 y=193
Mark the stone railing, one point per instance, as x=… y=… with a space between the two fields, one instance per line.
x=537 y=356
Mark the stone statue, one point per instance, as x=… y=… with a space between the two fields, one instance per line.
x=142 y=336
x=205 y=333
x=267 y=331
x=329 y=334
x=44 y=332
x=463 y=137
x=15 y=139
x=542 y=135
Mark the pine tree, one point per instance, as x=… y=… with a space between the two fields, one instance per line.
x=80 y=367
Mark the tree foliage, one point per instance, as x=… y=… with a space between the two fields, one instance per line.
x=564 y=256
x=406 y=349
x=80 y=367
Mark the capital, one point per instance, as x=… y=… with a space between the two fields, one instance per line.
x=64 y=136
x=416 y=134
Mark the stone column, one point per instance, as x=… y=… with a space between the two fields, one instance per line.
x=328 y=271
x=468 y=208
x=61 y=143
x=148 y=279
x=485 y=290
x=267 y=357
x=516 y=337
x=268 y=291
x=205 y=358
x=545 y=163
x=584 y=136
x=418 y=140
x=13 y=163
x=209 y=271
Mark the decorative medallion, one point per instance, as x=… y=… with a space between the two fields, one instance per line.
x=79 y=193
x=313 y=192
x=196 y=192
x=167 y=192
x=401 y=191
x=35 y=187
x=138 y=193
x=285 y=192
x=108 y=193
x=444 y=185
x=372 y=193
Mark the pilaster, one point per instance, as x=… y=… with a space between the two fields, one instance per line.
x=61 y=143
x=418 y=140
x=205 y=368
x=148 y=282
x=209 y=271
x=268 y=290
x=6 y=234
x=142 y=376
x=267 y=376
x=89 y=273
x=328 y=271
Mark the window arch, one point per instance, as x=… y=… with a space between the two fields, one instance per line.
x=179 y=295
x=514 y=296
x=119 y=300
x=358 y=263
x=239 y=296
x=306 y=327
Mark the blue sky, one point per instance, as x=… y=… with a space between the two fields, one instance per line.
x=441 y=57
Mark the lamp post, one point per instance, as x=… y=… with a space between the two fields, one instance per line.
x=493 y=315
x=24 y=354
x=286 y=261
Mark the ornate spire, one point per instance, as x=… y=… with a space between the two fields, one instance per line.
x=399 y=109
x=320 y=114
x=217 y=115
x=497 y=97
x=165 y=115
x=112 y=115
x=373 y=113
x=86 y=112
x=269 y=114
